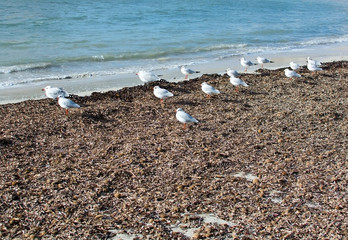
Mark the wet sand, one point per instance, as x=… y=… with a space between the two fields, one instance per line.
x=266 y=162
x=84 y=86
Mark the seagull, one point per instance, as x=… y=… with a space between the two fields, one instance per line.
x=54 y=92
x=187 y=71
x=210 y=90
x=237 y=82
x=246 y=63
x=147 y=77
x=290 y=74
x=262 y=60
x=66 y=103
x=184 y=117
x=162 y=93
x=294 y=66
x=232 y=73
x=313 y=68
x=313 y=62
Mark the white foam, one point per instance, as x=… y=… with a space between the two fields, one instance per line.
x=23 y=67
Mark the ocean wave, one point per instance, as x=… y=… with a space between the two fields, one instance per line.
x=94 y=58
x=325 y=40
x=25 y=81
x=281 y=47
x=221 y=47
x=24 y=67
x=161 y=54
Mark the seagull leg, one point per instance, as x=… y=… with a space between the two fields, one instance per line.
x=246 y=69
x=186 y=76
x=184 y=126
x=208 y=96
x=262 y=65
x=236 y=89
x=66 y=112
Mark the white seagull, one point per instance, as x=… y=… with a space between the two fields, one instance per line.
x=246 y=63
x=54 y=92
x=187 y=71
x=313 y=62
x=232 y=73
x=209 y=90
x=291 y=74
x=147 y=77
x=294 y=66
x=162 y=93
x=312 y=67
x=66 y=104
x=237 y=82
x=262 y=60
x=184 y=117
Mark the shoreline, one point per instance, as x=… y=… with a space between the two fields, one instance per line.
x=87 y=85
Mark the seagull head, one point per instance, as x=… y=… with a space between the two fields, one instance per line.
x=140 y=72
x=46 y=88
x=179 y=110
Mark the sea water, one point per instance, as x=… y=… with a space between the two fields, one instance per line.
x=47 y=41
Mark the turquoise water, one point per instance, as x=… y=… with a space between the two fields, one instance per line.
x=43 y=40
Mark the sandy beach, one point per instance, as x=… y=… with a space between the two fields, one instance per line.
x=266 y=162
x=86 y=85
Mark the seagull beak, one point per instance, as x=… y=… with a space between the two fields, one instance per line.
x=43 y=89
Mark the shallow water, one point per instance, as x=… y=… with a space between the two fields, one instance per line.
x=53 y=42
